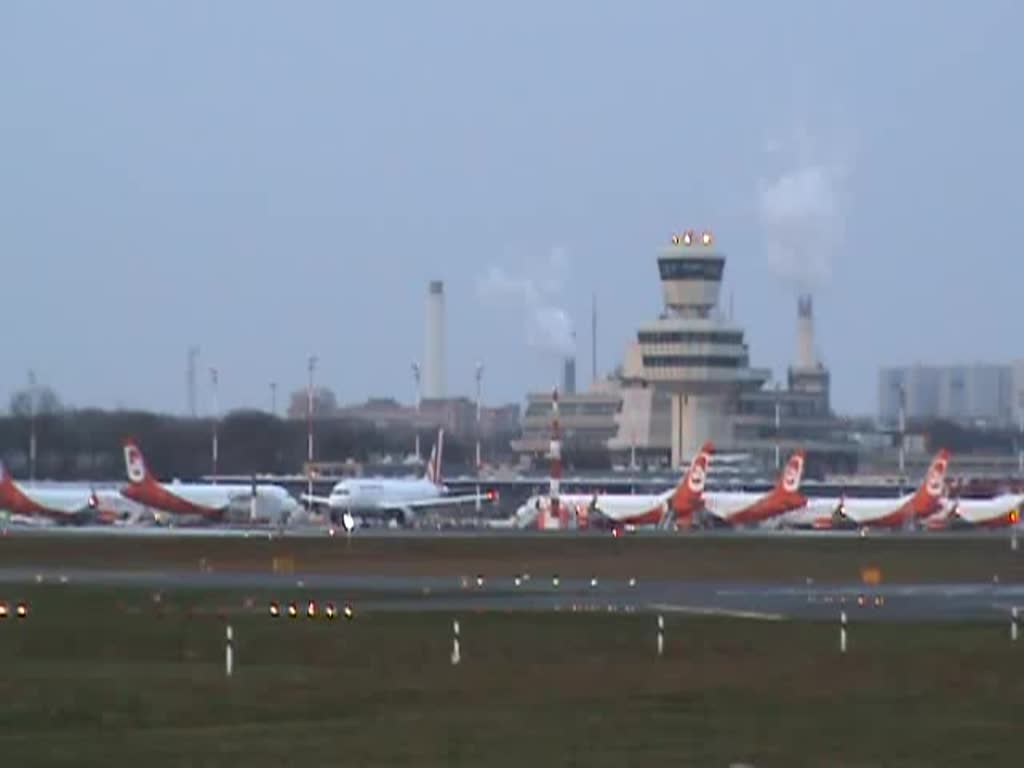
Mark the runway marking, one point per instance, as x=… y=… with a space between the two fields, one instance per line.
x=701 y=610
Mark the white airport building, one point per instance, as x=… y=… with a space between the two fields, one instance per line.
x=687 y=378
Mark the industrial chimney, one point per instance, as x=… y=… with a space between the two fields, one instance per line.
x=808 y=375
x=569 y=376
x=433 y=360
x=805 y=356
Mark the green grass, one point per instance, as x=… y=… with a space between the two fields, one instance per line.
x=103 y=677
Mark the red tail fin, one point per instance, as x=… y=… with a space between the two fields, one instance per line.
x=433 y=473
x=792 y=474
x=929 y=495
x=689 y=494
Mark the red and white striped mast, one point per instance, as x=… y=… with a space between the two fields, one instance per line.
x=555 y=489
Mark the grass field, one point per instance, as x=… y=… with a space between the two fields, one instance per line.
x=98 y=677
x=725 y=558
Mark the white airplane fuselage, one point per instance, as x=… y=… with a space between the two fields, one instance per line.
x=997 y=511
x=364 y=495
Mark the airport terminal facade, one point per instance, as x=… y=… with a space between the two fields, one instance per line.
x=687 y=378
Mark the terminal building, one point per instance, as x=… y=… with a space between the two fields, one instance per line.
x=687 y=377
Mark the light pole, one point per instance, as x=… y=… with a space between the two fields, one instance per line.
x=479 y=380
x=214 y=376
x=416 y=376
x=32 y=398
x=902 y=425
x=778 y=424
x=1020 y=433
x=273 y=398
x=309 y=428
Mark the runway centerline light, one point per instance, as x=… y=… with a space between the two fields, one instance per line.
x=275 y=610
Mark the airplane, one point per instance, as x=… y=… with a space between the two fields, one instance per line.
x=681 y=503
x=397 y=498
x=996 y=512
x=908 y=510
x=733 y=508
x=206 y=500
x=62 y=505
x=620 y=510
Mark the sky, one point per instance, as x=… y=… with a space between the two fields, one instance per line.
x=271 y=180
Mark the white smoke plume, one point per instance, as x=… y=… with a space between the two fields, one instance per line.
x=547 y=324
x=802 y=214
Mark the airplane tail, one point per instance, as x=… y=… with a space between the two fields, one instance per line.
x=688 y=496
x=433 y=473
x=791 y=476
x=928 y=498
x=135 y=464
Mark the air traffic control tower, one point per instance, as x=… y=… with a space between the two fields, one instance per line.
x=691 y=352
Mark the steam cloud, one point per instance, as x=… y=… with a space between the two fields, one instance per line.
x=548 y=325
x=802 y=215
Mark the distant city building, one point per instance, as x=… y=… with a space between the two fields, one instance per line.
x=457 y=415
x=325 y=405
x=976 y=394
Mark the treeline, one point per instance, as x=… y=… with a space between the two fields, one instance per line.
x=87 y=444
x=960 y=439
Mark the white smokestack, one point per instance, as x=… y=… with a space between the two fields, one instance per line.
x=433 y=360
x=805 y=356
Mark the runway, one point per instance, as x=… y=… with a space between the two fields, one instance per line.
x=535 y=592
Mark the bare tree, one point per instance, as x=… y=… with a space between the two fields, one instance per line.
x=46 y=402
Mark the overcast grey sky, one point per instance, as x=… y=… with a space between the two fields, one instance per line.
x=268 y=180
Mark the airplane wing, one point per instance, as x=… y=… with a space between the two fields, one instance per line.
x=440 y=501
x=314 y=499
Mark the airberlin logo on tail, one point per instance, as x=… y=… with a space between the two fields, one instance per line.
x=936 y=476
x=792 y=475
x=134 y=464
x=698 y=473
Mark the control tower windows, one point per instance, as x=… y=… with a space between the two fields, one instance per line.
x=693 y=361
x=691 y=269
x=690 y=337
